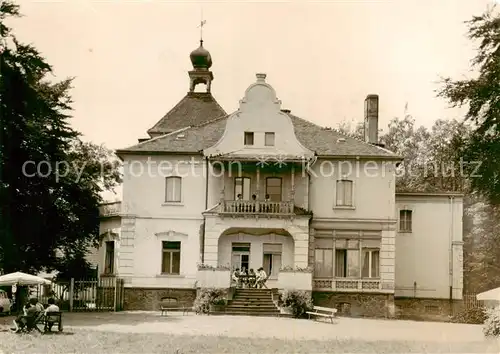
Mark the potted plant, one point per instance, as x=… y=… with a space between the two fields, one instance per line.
x=217 y=305
x=209 y=300
x=295 y=302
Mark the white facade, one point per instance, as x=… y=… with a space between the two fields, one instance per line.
x=334 y=210
x=429 y=257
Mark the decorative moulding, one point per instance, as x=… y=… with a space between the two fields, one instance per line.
x=170 y=233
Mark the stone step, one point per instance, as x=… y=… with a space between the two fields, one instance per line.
x=251 y=308
x=254 y=296
x=254 y=302
x=246 y=313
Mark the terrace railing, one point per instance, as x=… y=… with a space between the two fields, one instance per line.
x=250 y=207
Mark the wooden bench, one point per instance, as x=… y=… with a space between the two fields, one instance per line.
x=172 y=304
x=326 y=312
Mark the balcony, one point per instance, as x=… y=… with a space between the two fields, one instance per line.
x=250 y=207
x=348 y=285
x=110 y=209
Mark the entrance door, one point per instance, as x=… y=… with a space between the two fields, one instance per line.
x=272 y=259
x=240 y=256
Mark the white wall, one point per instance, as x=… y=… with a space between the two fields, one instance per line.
x=423 y=256
x=148 y=219
x=148 y=252
x=373 y=189
x=144 y=193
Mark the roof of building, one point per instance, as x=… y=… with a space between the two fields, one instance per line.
x=194 y=139
x=194 y=109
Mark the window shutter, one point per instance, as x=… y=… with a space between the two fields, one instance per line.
x=272 y=248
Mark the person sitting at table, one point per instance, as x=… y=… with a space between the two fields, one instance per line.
x=261 y=278
x=30 y=311
x=244 y=277
x=251 y=278
x=236 y=277
x=51 y=308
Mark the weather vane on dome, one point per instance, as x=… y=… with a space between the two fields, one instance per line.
x=202 y=23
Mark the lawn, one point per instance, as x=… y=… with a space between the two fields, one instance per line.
x=99 y=342
x=148 y=333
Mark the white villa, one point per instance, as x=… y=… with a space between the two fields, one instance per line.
x=317 y=209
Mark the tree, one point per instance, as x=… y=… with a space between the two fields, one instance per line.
x=482 y=96
x=50 y=181
x=353 y=129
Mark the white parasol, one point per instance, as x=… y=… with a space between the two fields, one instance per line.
x=20 y=279
x=490 y=295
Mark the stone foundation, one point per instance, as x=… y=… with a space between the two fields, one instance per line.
x=357 y=304
x=148 y=299
x=420 y=309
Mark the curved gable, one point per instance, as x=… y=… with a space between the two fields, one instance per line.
x=259 y=113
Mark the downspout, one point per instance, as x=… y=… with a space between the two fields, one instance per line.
x=202 y=246
x=451 y=251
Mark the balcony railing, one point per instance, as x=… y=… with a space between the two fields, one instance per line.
x=347 y=285
x=110 y=209
x=256 y=207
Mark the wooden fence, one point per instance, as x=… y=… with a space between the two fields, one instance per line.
x=102 y=294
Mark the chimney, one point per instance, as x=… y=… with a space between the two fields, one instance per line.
x=371 y=119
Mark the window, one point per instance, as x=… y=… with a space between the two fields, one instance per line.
x=323 y=257
x=240 y=255
x=344 y=193
x=272 y=259
x=405 y=218
x=273 y=188
x=347 y=258
x=269 y=139
x=171 y=257
x=173 y=186
x=324 y=263
x=248 y=138
x=242 y=186
x=109 y=261
x=371 y=263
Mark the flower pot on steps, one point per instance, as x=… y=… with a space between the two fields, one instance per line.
x=286 y=310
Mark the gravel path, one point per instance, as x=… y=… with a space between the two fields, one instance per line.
x=287 y=328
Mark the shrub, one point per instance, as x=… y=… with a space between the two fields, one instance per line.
x=208 y=296
x=492 y=324
x=298 y=301
x=474 y=315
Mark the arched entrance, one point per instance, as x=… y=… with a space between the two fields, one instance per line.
x=252 y=248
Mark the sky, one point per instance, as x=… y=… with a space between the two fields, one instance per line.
x=130 y=58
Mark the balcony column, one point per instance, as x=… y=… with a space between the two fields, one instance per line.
x=292 y=190
x=222 y=190
x=257 y=188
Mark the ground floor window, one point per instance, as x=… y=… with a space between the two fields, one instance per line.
x=347 y=258
x=171 y=257
x=370 y=263
x=109 y=259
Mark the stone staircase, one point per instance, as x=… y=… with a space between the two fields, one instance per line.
x=253 y=302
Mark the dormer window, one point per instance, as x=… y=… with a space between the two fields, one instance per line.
x=269 y=139
x=248 y=138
